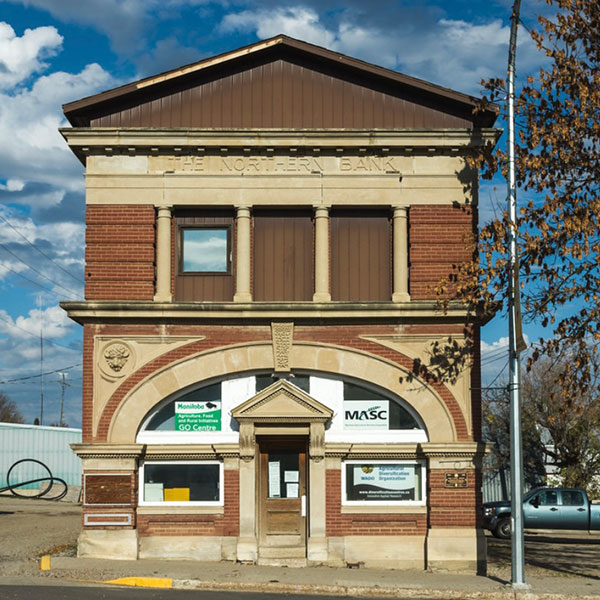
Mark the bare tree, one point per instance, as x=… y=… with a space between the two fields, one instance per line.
x=9 y=413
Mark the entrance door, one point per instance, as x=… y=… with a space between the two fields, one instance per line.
x=282 y=498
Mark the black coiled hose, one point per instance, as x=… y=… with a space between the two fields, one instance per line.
x=12 y=487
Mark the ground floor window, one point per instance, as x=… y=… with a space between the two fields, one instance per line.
x=181 y=483
x=383 y=482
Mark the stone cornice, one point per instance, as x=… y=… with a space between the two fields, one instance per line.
x=265 y=312
x=108 y=450
x=84 y=141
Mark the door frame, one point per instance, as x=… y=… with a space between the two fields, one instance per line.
x=266 y=444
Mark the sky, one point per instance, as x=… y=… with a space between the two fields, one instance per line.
x=57 y=51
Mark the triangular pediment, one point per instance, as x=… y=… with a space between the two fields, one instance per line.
x=280 y=83
x=282 y=401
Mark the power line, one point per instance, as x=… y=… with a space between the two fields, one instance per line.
x=41 y=374
x=41 y=251
x=35 y=335
x=34 y=282
x=3 y=246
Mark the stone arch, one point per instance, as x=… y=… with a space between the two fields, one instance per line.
x=345 y=362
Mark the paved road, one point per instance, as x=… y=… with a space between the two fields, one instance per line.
x=91 y=593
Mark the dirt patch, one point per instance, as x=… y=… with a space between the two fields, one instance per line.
x=549 y=556
x=31 y=528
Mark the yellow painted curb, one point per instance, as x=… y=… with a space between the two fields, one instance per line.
x=45 y=563
x=156 y=582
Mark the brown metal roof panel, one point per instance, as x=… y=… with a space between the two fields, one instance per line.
x=312 y=58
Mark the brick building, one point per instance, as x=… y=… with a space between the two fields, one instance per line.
x=264 y=230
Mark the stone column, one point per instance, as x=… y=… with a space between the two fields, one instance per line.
x=400 y=255
x=242 y=256
x=321 y=255
x=247 y=546
x=163 y=255
x=317 y=537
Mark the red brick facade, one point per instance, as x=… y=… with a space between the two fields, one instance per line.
x=223 y=336
x=453 y=507
x=440 y=236
x=119 y=252
x=339 y=524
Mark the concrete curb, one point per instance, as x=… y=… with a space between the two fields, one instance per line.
x=370 y=592
x=151 y=582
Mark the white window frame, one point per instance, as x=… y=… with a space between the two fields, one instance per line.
x=422 y=502
x=141 y=482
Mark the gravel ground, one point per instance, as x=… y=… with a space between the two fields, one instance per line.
x=31 y=528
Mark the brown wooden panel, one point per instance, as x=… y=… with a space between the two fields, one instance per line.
x=107 y=489
x=360 y=256
x=283 y=93
x=192 y=287
x=283 y=256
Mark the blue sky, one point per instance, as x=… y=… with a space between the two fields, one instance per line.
x=57 y=51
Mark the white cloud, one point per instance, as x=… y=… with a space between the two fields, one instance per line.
x=298 y=22
x=29 y=120
x=21 y=56
x=53 y=321
x=453 y=53
x=499 y=344
x=122 y=21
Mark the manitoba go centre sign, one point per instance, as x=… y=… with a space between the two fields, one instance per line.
x=198 y=416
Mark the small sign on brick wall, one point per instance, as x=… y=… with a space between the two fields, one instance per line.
x=456 y=480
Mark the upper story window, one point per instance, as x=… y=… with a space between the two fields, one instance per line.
x=205 y=250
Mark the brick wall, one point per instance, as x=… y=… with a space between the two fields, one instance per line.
x=119 y=252
x=349 y=336
x=338 y=524
x=223 y=336
x=453 y=507
x=226 y=524
x=215 y=337
x=439 y=238
x=105 y=493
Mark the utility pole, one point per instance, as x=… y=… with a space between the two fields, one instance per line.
x=63 y=384
x=39 y=303
x=515 y=345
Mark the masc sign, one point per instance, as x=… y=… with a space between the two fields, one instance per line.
x=198 y=416
x=366 y=414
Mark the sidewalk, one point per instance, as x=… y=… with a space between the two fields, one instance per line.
x=357 y=583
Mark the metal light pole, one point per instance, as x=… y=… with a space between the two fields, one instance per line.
x=514 y=325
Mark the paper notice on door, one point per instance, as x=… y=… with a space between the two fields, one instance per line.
x=291 y=490
x=274 y=480
x=291 y=476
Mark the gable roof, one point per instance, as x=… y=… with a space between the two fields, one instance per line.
x=280 y=83
x=282 y=402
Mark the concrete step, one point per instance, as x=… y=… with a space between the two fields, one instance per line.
x=273 y=541
x=282 y=552
x=297 y=563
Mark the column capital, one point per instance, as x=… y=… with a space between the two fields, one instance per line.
x=400 y=210
x=322 y=208
x=243 y=211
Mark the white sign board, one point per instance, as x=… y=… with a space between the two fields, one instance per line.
x=367 y=414
x=382 y=482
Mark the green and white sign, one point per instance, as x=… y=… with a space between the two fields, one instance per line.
x=198 y=416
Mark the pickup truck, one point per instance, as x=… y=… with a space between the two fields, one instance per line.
x=545 y=508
